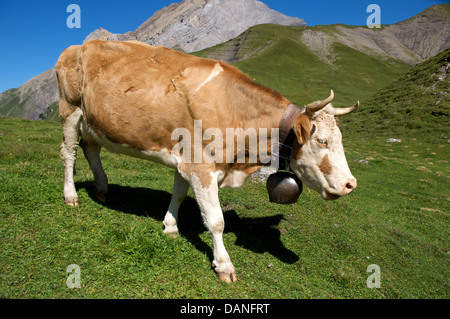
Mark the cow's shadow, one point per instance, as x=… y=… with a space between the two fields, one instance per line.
x=255 y=234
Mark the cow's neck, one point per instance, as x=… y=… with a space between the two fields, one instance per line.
x=270 y=110
x=286 y=136
x=277 y=114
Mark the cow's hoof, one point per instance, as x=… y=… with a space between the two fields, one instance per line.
x=228 y=278
x=100 y=197
x=225 y=271
x=71 y=202
x=171 y=231
x=172 y=235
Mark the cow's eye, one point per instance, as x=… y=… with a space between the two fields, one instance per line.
x=323 y=142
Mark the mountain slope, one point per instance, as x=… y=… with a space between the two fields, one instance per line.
x=278 y=57
x=32 y=98
x=418 y=102
x=412 y=40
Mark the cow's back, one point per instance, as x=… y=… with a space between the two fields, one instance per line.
x=135 y=94
x=131 y=94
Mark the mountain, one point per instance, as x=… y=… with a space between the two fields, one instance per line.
x=300 y=62
x=194 y=25
x=32 y=99
x=410 y=41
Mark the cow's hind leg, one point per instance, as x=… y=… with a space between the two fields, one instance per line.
x=180 y=189
x=91 y=151
x=71 y=135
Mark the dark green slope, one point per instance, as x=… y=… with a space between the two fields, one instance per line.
x=417 y=102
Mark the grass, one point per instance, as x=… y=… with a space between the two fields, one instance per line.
x=397 y=218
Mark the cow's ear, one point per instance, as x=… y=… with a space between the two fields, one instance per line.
x=302 y=128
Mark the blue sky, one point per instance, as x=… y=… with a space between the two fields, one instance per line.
x=35 y=32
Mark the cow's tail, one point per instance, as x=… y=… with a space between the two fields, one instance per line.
x=68 y=71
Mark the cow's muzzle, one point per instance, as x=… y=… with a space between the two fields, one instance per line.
x=348 y=188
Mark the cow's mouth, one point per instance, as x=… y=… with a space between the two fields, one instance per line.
x=329 y=196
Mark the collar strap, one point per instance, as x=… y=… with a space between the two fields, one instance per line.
x=286 y=136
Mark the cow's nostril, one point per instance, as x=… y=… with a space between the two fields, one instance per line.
x=350 y=186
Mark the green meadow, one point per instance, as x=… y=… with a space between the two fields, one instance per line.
x=397 y=218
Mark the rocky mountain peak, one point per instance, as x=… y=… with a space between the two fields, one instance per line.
x=193 y=25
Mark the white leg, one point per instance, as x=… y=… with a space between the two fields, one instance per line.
x=180 y=189
x=92 y=153
x=69 y=154
x=208 y=201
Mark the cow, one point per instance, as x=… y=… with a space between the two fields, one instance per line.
x=130 y=97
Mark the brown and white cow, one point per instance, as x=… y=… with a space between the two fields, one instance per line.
x=130 y=97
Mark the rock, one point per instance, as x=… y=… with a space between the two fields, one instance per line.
x=393 y=140
x=263 y=174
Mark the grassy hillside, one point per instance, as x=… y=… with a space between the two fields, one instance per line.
x=276 y=57
x=397 y=218
x=11 y=105
x=418 y=103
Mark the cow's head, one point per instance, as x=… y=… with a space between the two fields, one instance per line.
x=318 y=158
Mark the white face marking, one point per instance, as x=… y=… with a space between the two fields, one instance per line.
x=215 y=72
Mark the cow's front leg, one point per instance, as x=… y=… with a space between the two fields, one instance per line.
x=205 y=187
x=180 y=189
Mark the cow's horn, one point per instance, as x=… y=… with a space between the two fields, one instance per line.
x=318 y=105
x=346 y=110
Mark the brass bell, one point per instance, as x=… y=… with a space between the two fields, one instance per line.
x=284 y=187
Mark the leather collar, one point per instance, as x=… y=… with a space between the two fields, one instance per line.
x=286 y=136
